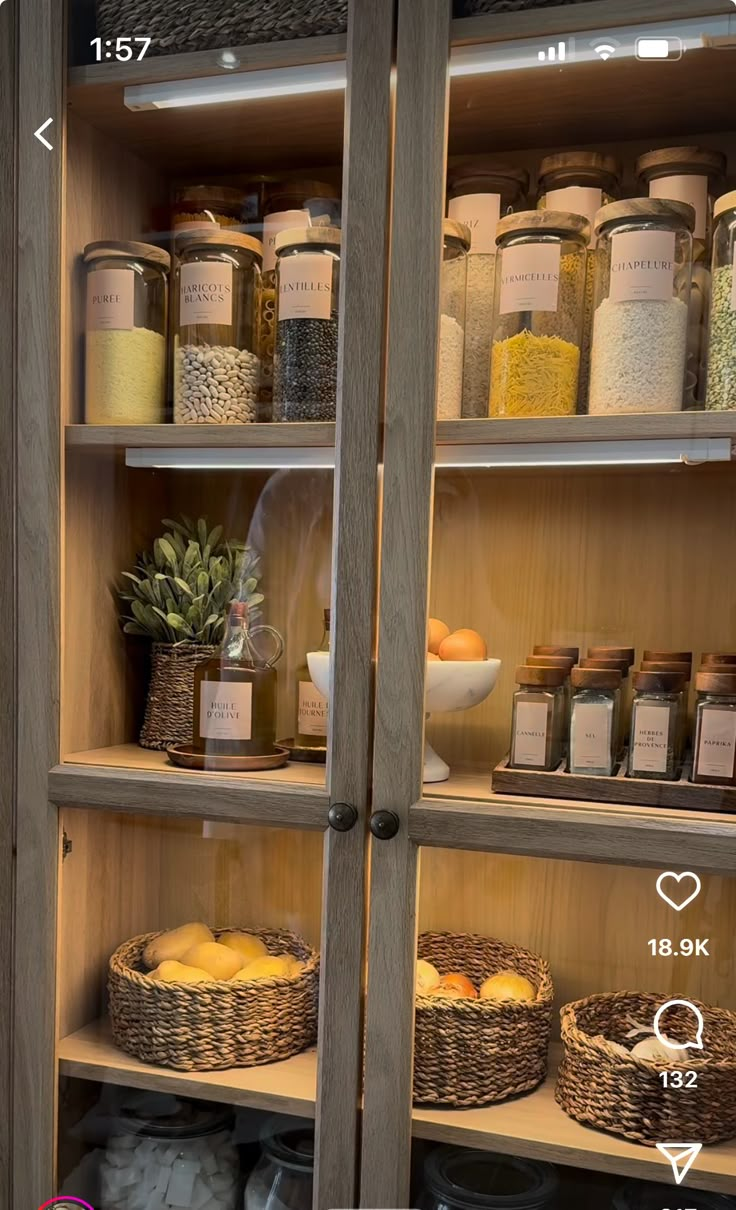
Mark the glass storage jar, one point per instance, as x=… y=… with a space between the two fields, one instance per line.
x=692 y=175
x=538 y=721
x=594 y=721
x=642 y=292
x=714 y=748
x=284 y=1175
x=567 y=663
x=721 y=389
x=126 y=320
x=453 y=292
x=641 y=1195
x=203 y=207
x=307 y=330
x=480 y=193
x=217 y=296
x=185 y=1158
x=538 y=313
x=655 y=718
x=457 y=1178
x=685 y=671
x=623 y=712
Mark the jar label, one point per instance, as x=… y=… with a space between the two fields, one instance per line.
x=590 y=735
x=651 y=738
x=716 y=753
x=305 y=286
x=110 y=300
x=480 y=212
x=312 y=710
x=273 y=225
x=690 y=189
x=206 y=293
x=530 y=737
x=577 y=199
x=225 y=710
x=530 y=278
x=642 y=266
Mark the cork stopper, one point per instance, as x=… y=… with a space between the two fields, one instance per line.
x=238 y=609
x=719 y=683
x=621 y=666
x=659 y=682
x=550 y=661
x=572 y=652
x=613 y=653
x=595 y=678
x=550 y=678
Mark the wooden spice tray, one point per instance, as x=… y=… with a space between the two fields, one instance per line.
x=620 y=789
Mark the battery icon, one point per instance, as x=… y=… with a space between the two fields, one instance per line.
x=658 y=48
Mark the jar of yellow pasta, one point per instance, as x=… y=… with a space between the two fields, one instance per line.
x=538 y=313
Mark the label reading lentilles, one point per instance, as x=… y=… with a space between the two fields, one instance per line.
x=313 y=710
x=225 y=710
x=480 y=212
x=530 y=737
x=305 y=286
x=110 y=300
x=642 y=266
x=590 y=741
x=206 y=293
x=530 y=278
x=716 y=753
x=651 y=738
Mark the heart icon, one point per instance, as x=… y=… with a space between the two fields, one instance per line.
x=688 y=878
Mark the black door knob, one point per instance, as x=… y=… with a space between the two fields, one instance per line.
x=342 y=817
x=384 y=824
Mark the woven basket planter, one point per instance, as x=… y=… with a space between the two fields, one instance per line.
x=213 y=1026
x=169 y=717
x=475 y=1052
x=624 y=1096
x=204 y=25
x=474 y=8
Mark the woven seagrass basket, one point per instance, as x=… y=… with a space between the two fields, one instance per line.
x=218 y=24
x=474 y=8
x=625 y=1096
x=169 y=717
x=475 y=1052
x=213 y=1026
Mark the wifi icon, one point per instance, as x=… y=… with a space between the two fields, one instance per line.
x=604 y=50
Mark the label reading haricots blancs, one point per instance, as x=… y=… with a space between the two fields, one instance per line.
x=530 y=737
x=305 y=286
x=530 y=278
x=642 y=266
x=312 y=710
x=590 y=739
x=717 y=743
x=225 y=710
x=206 y=293
x=651 y=738
x=110 y=300
x=480 y=212
x=273 y=225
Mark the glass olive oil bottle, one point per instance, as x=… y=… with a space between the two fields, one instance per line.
x=311 y=706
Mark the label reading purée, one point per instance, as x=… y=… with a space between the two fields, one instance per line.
x=305 y=286
x=651 y=735
x=273 y=225
x=110 y=300
x=690 y=189
x=592 y=738
x=530 y=738
x=577 y=199
x=206 y=293
x=312 y=710
x=225 y=710
x=717 y=747
x=530 y=278
x=480 y=212
x=642 y=266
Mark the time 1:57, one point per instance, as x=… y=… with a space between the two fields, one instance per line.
x=124 y=48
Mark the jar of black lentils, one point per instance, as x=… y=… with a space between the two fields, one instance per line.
x=308 y=296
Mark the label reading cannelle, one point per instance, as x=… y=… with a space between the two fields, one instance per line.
x=651 y=738
x=530 y=278
x=577 y=199
x=110 y=300
x=206 y=293
x=591 y=738
x=312 y=710
x=642 y=266
x=480 y=212
x=273 y=225
x=305 y=286
x=225 y=710
x=690 y=189
x=717 y=748
x=530 y=737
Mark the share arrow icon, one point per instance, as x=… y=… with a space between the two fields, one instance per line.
x=682 y=1156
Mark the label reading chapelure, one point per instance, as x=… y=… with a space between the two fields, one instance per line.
x=273 y=225
x=717 y=747
x=206 y=293
x=530 y=737
x=642 y=266
x=312 y=710
x=225 y=710
x=480 y=212
x=651 y=738
x=530 y=278
x=305 y=286
x=591 y=737
x=110 y=300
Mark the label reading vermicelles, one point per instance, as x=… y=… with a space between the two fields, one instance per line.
x=110 y=300
x=480 y=212
x=590 y=740
x=717 y=747
x=206 y=293
x=312 y=710
x=225 y=710
x=642 y=266
x=651 y=738
x=530 y=737
x=530 y=278
x=305 y=286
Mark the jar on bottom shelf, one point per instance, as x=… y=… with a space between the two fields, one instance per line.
x=453 y=295
x=538 y=721
x=283 y=1178
x=594 y=725
x=714 y=749
x=641 y=1195
x=655 y=726
x=460 y=1179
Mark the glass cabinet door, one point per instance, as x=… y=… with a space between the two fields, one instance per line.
x=554 y=846
x=200 y=333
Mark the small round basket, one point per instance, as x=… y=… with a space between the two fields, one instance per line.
x=169 y=717
x=625 y=1096
x=213 y=1026
x=475 y=1052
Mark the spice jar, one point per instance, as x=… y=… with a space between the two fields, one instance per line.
x=457 y=1178
x=538 y=719
x=538 y=313
x=684 y=668
x=714 y=749
x=479 y=195
x=308 y=287
x=573 y=653
x=613 y=653
x=691 y=175
x=283 y=1178
x=217 y=289
x=125 y=363
x=641 y=306
x=594 y=721
x=567 y=663
x=202 y=207
x=453 y=289
x=655 y=713
x=721 y=391
x=683 y=657
x=623 y=708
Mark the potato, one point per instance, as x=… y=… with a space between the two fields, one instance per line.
x=172 y=946
x=245 y=944
x=177 y=972
x=218 y=960
x=270 y=967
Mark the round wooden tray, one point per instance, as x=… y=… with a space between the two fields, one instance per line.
x=189 y=757
x=312 y=756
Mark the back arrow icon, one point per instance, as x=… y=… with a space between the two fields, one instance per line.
x=38 y=134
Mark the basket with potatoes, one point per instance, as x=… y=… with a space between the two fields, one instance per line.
x=200 y=999
x=483 y=1014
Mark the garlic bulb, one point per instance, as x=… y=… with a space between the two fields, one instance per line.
x=651 y=1050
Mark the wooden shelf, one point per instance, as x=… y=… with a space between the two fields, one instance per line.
x=672 y=425
x=561 y=19
x=133 y=779
x=200 y=436
x=535 y=1127
x=288 y=1087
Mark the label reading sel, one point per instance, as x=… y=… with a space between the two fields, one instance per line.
x=591 y=736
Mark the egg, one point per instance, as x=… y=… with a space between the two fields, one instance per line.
x=431 y=656
x=463 y=645
x=507 y=985
x=427 y=977
x=460 y=983
x=436 y=632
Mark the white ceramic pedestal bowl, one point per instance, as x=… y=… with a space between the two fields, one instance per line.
x=449 y=685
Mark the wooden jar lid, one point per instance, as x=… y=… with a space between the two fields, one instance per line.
x=650 y=208
x=668 y=657
x=613 y=653
x=127 y=250
x=718 y=657
x=549 y=677
x=572 y=652
x=680 y=161
x=550 y=661
x=659 y=682
x=296 y=237
x=566 y=166
x=480 y=174
x=716 y=682
x=684 y=668
x=223 y=237
x=544 y=222
x=594 y=661
x=458 y=231
x=724 y=203
x=595 y=678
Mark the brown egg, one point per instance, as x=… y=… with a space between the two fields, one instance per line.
x=446 y=992
x=436 y=632
x=463 y=645
x=461 y=983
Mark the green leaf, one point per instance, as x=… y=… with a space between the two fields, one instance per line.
x=202 y=532
x=129 y=576
x=136 y=628
x=214 y=536
x=182 y=584
x=177 y=623
x=168 y=551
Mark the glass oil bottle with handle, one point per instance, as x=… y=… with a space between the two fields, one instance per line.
x=312 y=710
x=235 y=691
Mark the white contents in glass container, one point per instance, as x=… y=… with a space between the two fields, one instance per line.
x=638 y=362
x=478 y=334
x=126 y=376
x=140 y=1173
x=450 y=370
x=215 y=385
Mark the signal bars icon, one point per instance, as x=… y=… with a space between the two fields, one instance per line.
x=556 y=54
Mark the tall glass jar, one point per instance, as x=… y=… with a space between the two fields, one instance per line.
x=203 y=207
x=655 y=716
x=721 y=391
x=623 y=710
x=538 y=313
x=480 y=193
x=538 y=721
x=714 y=748
x=594 y=721
x=641 y=306
x=125 y=363
x=580 y=182
x=217 y=297
x=453 y=291
x=283 y=1178
x=307 y=329
x=567 y=663
x=692 y=175
x=457 y=1178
